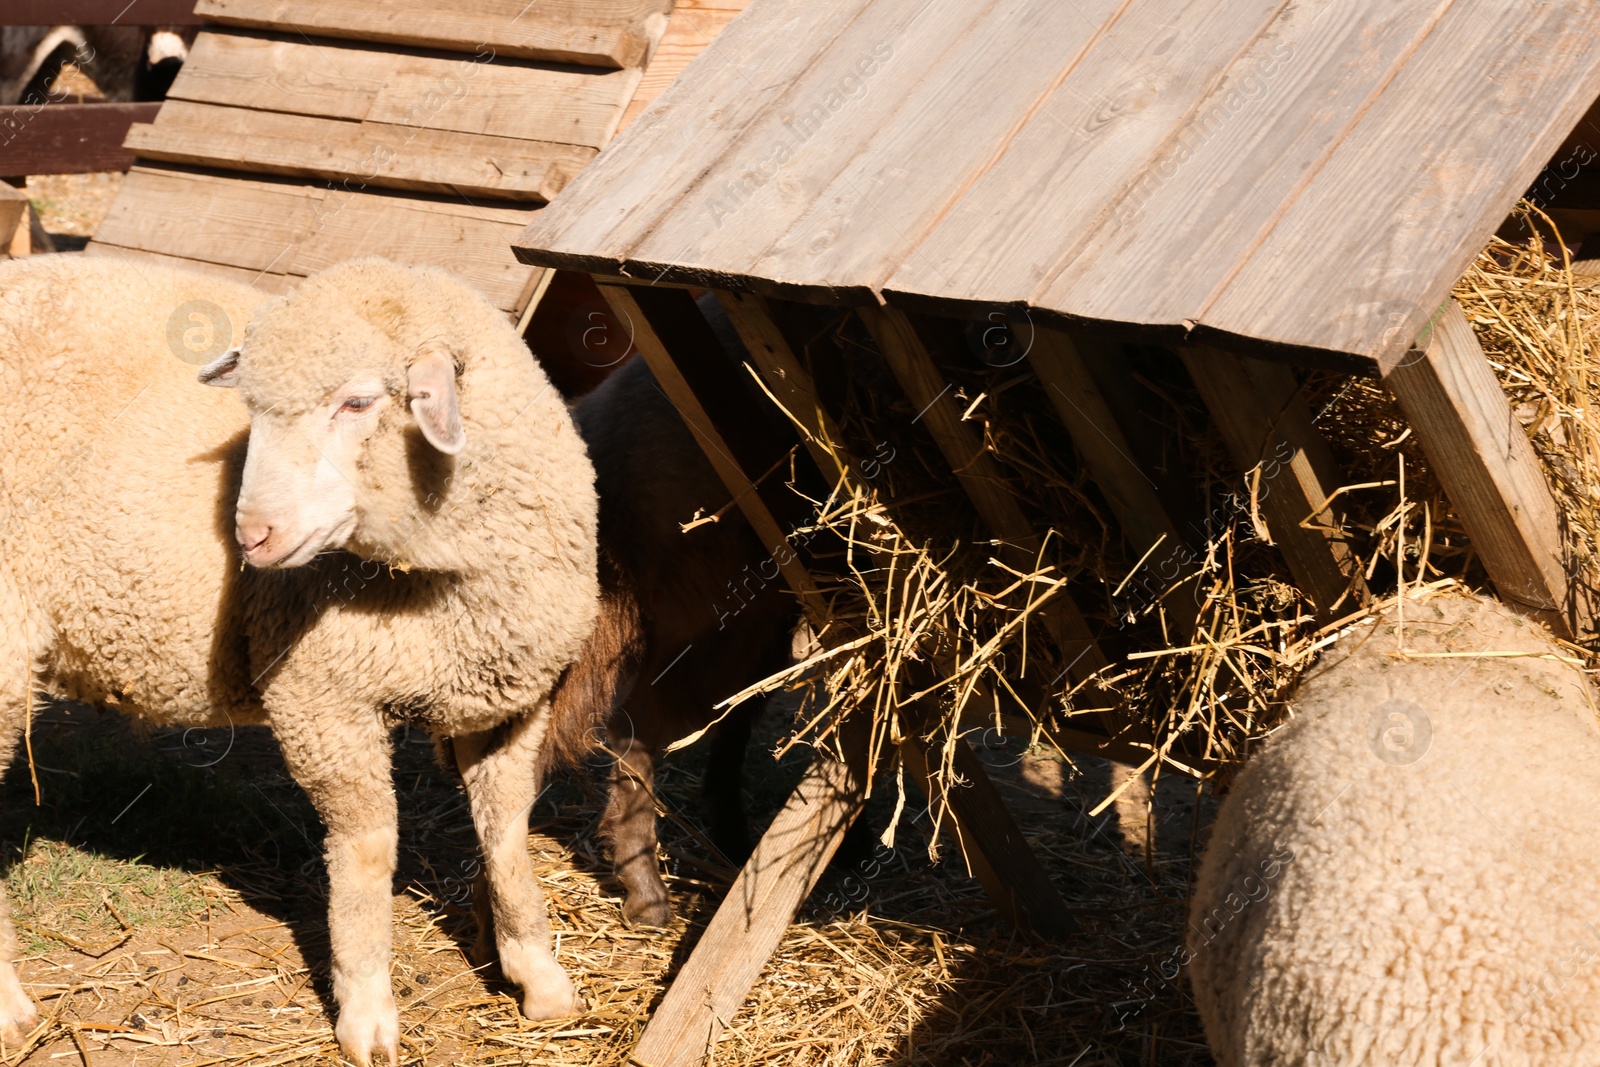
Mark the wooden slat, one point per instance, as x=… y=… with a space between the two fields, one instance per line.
x=1487 y=467
x=606 y=33
x=1399 y=239
x=996 y=851
x=462 y=94
x=980 y=475
x=381 y=155
x=709 y=433
x=99 y=13
x=706 y=994
x=68 y=138
x=734 y=95
x=1264 y=421
x=693 y=27
x=297 y=230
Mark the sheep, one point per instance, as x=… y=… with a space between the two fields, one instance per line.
x=418 y=514
x=687 y=616
x=124 y=62
x=1405 y=873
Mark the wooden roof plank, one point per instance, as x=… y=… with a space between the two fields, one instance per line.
x=459 y=94
x=1097 y=135
x=1223 y=173
x=741 y=78
x=267 y=281
x=826 y=121
x=369 y=153
x=1381 y=255
x=607 y=33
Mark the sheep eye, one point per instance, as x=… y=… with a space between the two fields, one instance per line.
x=358 y=403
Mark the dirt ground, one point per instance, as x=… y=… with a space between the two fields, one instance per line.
x=170 y=900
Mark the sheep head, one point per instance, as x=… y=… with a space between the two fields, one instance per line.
x=347 y=381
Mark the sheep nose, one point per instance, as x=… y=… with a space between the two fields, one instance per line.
x=252 y=534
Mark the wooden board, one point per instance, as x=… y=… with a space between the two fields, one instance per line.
x=68 y=138
x=1199 y=169
x=267 y=281
x=376 y=154
x=694 y=25
x=1288 y=473
x=606 y=33
x=295 y=230
x=1488 y=469
x=462 y=94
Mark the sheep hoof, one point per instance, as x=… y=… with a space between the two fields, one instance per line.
x=366 y=1032
x=556 y=1001
x=18 y=1020
x=636 y=912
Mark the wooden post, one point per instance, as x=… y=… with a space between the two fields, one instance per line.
x=979 y=474
x=747 y=927
x=1487 y=467
x=792 y=854
x=1259 y=410
x=1099 y=436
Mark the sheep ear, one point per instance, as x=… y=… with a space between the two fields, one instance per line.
x=222 y=372
x=431 y=387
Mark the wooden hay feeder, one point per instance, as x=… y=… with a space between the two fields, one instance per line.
x=1255 y=187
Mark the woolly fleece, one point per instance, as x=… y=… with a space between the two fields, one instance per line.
x=1405 y=874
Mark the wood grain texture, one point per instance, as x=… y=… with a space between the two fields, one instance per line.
x=692 y=28
x=375 y=154
x=267 y=281
x=709 y=433
x=1264 y=421
x=1487 y=467
x=1206 y=170
x=748 y=925
x=291 y=229
x=461 y=94
x=606 y=33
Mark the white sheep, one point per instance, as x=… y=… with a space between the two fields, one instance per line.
x=421 y=517
x=1405 y=874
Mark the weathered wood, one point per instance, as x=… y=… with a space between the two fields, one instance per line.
x=606 y=33
x=693 y=27
x=1201 y=160
x=99 y=13
x=710 y=434
x=291 y=229
x=785 y=375
x=372 y=154
x=462 y=94
x=1101 y=441
x=1487 y=467
x=745 y=931
x=980 y=475
x=68 y=138
x=1275 y=445
x=996 y=852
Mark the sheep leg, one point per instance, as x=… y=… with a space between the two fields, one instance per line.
x=343 y=764
x=18 y=1015
x=500 y=768
x=629 y=824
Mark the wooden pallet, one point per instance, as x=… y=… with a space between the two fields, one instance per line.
x=304 y=132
